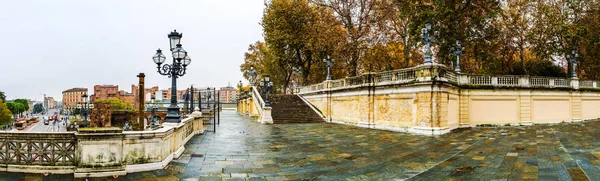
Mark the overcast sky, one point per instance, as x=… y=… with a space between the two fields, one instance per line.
x=50 y=46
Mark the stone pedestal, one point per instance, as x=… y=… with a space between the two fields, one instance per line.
x=267 y=119
x=100 y=152
x=196 y=114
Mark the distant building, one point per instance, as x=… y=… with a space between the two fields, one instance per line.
x=71 y=97
x=149 y=92
x=104 y=92
x=112 y=91
x=166 y=94
x=228 y=94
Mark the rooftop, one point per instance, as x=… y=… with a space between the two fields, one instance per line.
x=78 y=89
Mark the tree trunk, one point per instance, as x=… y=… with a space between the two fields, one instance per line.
x=406 y=56
x=354 y=63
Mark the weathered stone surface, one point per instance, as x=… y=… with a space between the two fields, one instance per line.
x=324 y=151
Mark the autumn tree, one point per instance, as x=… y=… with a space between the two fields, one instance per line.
x=2 y=96
x=396 y=21
x=588 y=46
x=516 y=26
x=5 y=113
x=357 y=17
x=297 y=33
x=500 y=37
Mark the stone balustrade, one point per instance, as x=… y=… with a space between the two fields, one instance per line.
x=432 y=99
x=254 y=105
x=97 y=152
x=441 y=73
x=38 y=152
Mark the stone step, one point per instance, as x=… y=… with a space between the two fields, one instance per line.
x=291 y=109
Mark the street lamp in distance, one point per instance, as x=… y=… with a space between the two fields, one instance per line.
x=266 y=84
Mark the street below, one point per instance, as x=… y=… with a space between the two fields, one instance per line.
x=52 y=126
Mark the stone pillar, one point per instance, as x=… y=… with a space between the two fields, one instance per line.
x=99 y=158
x=141 y=101
x=267 y=119
x=574 y=83
x=443 y=99
x=576 y=106
x=525 y=107
x=463 y=114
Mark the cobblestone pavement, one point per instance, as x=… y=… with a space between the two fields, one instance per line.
x=242 y=149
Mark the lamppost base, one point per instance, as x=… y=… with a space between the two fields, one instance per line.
x=427 y=60
x=173 y=115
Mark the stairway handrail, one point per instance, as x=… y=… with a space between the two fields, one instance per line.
x=258 y=100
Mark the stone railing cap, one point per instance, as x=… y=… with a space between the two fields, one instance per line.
x=94 y=130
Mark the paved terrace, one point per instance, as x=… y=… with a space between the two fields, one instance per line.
x=246 y=150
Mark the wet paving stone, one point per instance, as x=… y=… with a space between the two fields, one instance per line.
x=242 y=149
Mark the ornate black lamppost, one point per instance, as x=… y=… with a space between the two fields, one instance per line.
x=297 y=74
x=239 y=93
x=177 y=69
x=186 y=101
x=152 y=107
x=428 y=39
x=328 y=62
x=573 y=60
x=266 y=84
x=84 y=107
x=192 y=99
x=200 y=100
x=208 y=95
x=240 y=85
x=457 y=51
x=251 y=75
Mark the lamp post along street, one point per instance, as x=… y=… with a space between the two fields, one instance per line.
x=573 y=60
x=239 y=93
x=85 y=102
x=200 y=100
x=208 y=98
x=218 y=107
x=192 y=98
x=428 y=39
x=297 y=74
x=186 y=101
x=177 y=69
x=152 y=112
x=214 y=104
x=328 y=62
x=251 y=75
x=266 y=84
x=457 y=51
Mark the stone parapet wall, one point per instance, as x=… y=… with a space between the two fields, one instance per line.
x=97 y=152
x=431 y=99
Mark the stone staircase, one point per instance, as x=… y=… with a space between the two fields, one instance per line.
x=291 y=109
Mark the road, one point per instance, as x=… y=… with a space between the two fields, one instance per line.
x=41 y=127
x=53 y=126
